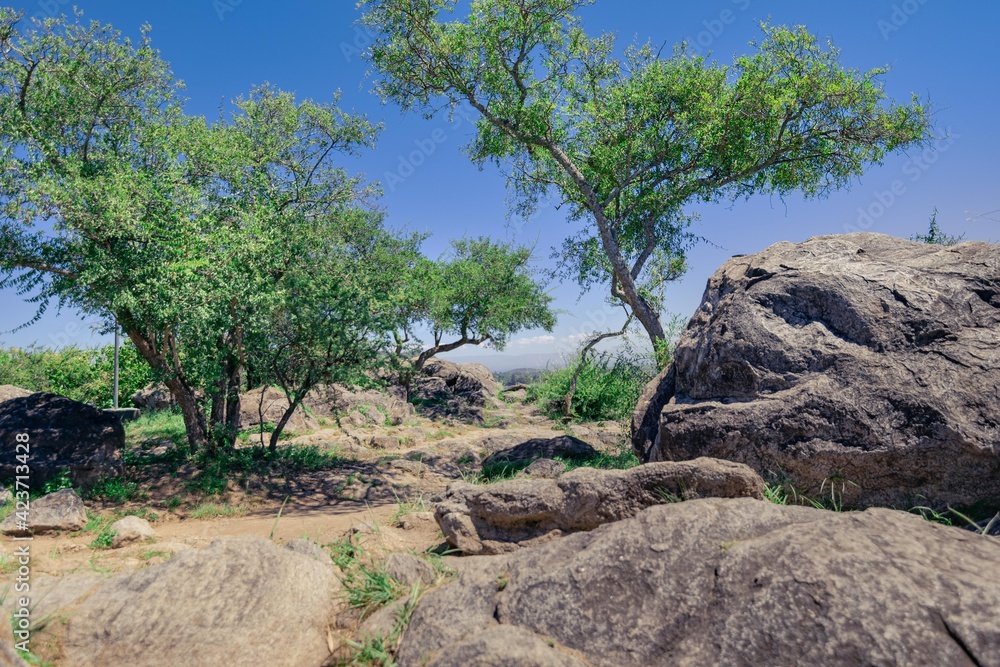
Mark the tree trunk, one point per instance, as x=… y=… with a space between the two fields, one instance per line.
x=233 y=403
x=280 y=426
x=194 y=418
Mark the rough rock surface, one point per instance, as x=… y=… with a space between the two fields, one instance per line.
x=447 y=389
x=862 y=362
x=62 y=510
x=9 y=391
x=240 y=601
x=64 y=434
x=502 y=517
x=153 y=397
x=564 y=446
x=379 y=406
x=724 y=582
x=130 y=529
x=267 y=405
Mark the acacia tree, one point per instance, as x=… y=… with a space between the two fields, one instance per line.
x=483 y=291
x=627 y=143
x=115 y=202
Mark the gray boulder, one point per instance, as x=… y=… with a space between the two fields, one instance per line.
x=240 y=601
x=266 y=405
x=860 y=363
x=63 y=434
x=381 y=406
x=724 y=582
x=62 y=510
x=153 y=397
x=9 y=391
x=505 y=516
x=537 y=448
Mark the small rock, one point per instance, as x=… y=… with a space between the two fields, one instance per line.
x=545 y=469
x=415 y=468
x=130 y=529
x=409 y=570
x=415 y=519
x=62 y=510
x=385 y=442
x=5 y=495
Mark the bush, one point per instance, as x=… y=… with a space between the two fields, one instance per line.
x=82 y=374
x=607 y=389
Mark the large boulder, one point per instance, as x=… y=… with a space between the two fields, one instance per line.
x=240 y=601
x=386 y=406
x=266 y=405
x=153 y=397
x=564 y=446
x=461 y=391
x=63 y=435
x=9 y=391
x=860 y=365
x=505 y=516
x=59 y=511
x=724 y=582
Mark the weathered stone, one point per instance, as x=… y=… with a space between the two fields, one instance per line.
x=62 y=510
x=153 y=397
x=545 y=469
x=388 y=405
x=63 y=435
x=209 y=607
x=385 y=442
x=410 y=570
x=5 y=495
x=130 y=529
x=725 y=582
x=267 y=405
x=501 y=517
x=537 y=448
x=9 y=391
x=310 y=549
x=860 y=363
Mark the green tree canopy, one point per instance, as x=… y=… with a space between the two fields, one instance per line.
x=628 y=142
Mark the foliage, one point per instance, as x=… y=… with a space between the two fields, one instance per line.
x=115 y=490
x=195 y=237
x=935 y=236
x=60 y=481
x=626 y=144
x=82 y=374
x=607 y=388
x=483 y=291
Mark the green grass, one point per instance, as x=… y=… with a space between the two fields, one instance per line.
x=416 y=504
x=607 y=389
x=164 y=425
x=8 y=564
x=215 y=511
x=115 y=490
x=216 y=471
x=58 y=483
x=7 y=508
x=497 y=471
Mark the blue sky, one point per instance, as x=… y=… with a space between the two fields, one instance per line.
x=945 y=52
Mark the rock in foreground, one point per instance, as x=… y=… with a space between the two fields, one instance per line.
x=63 y=435
x=724 y=582
x=59 y=511
x=505 y=516
x=241 y=601
x=863 y=363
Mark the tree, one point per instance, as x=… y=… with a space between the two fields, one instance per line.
x=114 y=201
x=483 y=292
x=627 y=144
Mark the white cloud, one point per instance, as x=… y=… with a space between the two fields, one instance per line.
x=535 y=340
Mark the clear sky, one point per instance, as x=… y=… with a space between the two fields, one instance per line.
x=946 y=52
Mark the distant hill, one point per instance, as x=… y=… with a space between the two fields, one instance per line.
x=519 y=376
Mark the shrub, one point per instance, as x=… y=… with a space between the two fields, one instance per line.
x=607 y=389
